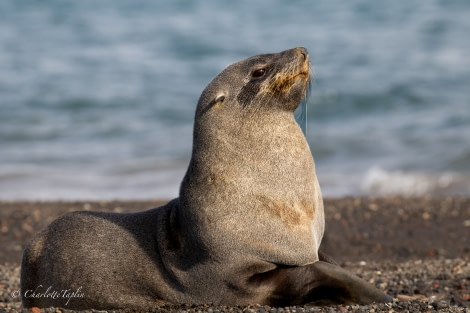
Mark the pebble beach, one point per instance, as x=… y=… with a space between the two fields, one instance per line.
x=415 y=249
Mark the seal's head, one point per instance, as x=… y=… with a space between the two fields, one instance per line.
x=279 y=80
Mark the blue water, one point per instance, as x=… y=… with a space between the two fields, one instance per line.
x=97 y=97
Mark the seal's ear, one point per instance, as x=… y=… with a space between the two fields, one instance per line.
x=219 y=98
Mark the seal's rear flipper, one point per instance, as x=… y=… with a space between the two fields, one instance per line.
x=320 y=283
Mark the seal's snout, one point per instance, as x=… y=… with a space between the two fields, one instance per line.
x=305 y=68
x=303 y=52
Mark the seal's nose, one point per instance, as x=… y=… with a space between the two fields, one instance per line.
x=302 y=51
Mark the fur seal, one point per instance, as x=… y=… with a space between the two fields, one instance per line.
x=245 y=229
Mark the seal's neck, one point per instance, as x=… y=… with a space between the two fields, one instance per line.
x=262 y=147
x=266 y=154
x=258 y=172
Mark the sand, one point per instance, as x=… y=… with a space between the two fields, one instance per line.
x=417 y=250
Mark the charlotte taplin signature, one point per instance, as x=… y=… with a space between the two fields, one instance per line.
x=50 y=292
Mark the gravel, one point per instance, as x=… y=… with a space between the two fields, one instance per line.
x=417 y=250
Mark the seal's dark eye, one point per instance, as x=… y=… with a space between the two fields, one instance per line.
x=259 y=72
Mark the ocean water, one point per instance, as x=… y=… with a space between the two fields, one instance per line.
x=97 y=98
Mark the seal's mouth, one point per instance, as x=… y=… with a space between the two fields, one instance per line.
x=305 y=69
x=282 y=84
x=303 y=75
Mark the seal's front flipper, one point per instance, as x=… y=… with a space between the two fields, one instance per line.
x=320 y=283
x=333 y=284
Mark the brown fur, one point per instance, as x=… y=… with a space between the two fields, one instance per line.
x=245 y=229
